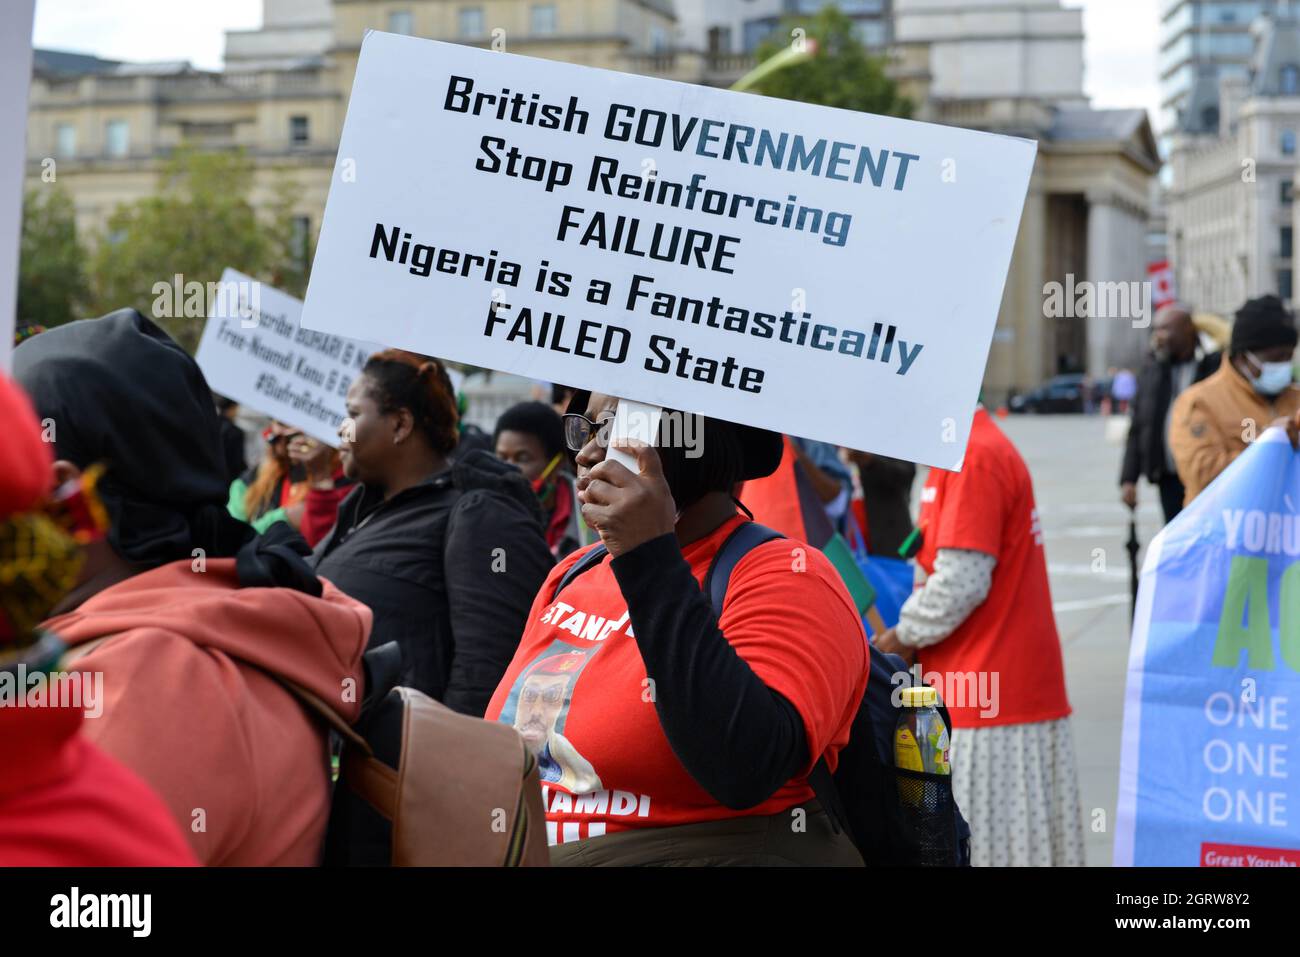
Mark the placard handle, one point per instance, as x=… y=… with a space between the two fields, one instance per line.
x=633 y=420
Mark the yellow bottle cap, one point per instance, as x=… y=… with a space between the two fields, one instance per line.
x=920 y=697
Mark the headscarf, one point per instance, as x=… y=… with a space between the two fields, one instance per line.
x=120 y=392
x=39 y=561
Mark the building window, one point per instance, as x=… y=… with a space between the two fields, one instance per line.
x=65 y=139
x=1209 y=119
x=658 y=39
x=117 y=138
x=399 y=21
x=1289 y=80
x=471 y=21
x=1284 y=284
x=1287 y=197
x=870 y=33
x=1286 y=243
x=542 y=18
x=299 y=131
x=1288 y=142
x=756 y=31
x=299 y=238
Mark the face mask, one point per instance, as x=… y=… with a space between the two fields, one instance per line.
x=1273 y=377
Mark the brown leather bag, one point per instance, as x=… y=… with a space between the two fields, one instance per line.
x=463 y=791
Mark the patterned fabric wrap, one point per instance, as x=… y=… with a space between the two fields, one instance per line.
x=39 y=564
x=41 y=557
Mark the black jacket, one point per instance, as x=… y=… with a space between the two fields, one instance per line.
x=449 y=568
x=1145 y=451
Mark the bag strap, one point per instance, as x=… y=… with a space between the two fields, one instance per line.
x=584 y=564
x=315 y=705
x=743 y=539
x=828 y=795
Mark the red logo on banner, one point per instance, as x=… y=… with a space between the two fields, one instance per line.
x=1162 y=284
x=1242 y=855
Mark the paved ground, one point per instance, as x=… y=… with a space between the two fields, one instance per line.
x=1075 y=471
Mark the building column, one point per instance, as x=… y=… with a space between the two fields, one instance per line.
x=1116 y=254
x=1103 y=223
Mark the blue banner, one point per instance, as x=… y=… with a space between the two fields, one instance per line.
x=1210 y=769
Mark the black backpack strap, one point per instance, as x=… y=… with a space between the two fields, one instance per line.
x=743 y=539
x=584 y=564
x=828 y=795
x=737 y=545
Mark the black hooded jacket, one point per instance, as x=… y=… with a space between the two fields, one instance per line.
x=1144 y=452
x=450 y=568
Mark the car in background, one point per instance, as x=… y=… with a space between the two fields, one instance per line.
x=1061 y=393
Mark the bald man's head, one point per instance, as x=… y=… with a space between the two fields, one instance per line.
x=1174 y=333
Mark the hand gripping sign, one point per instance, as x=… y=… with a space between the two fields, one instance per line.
x=821 y=272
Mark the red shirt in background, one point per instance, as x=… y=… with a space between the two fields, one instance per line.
x=1009 y=643
x=578 y=692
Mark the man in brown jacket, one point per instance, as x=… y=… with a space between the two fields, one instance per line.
x=1214 y=420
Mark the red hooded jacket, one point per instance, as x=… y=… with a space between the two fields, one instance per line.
x=190 y=703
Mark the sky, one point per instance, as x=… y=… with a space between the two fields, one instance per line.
x=1120 y=52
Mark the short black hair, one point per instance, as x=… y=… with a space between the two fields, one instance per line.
x=718 y=464
x=536 y=419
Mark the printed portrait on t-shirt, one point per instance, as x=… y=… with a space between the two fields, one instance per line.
x=537 y=708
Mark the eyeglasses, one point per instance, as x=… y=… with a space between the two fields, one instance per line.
x=578 y=430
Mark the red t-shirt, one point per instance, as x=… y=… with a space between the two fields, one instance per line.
x=578 y=692
x=1003 y=663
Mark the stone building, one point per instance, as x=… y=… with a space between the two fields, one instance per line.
x=1231 y=215
x=1201 y=43
x=1016 y=67
x=1008 y=66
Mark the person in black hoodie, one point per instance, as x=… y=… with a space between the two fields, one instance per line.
x=447 y=554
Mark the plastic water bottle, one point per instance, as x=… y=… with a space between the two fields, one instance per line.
x=921 y=737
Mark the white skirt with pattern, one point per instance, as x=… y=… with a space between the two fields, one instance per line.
x=1018 y=787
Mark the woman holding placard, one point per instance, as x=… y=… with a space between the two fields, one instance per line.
x=664 y=732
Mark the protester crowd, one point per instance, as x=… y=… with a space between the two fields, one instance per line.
x=526 y=578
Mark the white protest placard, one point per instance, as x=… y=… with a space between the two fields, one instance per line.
x=254 y=350
x=15 y=74
x=830 y=274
